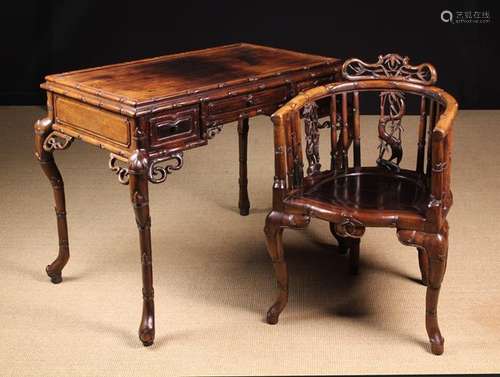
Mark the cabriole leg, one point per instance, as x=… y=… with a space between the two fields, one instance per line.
x=244 y=202
x=140 y=201
x=274 y=241
x=275 y=223
x=436 y=248
x=43 y=129
x=423 y=262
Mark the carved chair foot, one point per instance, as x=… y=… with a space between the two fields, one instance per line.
x=437 y=345
x=147 y=337
x=55 y=276
x=274 y=311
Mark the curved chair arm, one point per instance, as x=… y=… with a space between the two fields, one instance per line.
x=288 y=132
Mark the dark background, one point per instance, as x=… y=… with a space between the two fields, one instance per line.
x=43 y=37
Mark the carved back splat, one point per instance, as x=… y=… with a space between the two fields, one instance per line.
x=392 y=103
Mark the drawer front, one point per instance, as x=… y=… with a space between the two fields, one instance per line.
x=245 y=101
x=175 y=126
x=88 y=120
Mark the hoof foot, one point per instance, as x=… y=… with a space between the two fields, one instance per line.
x=244 y=211
x=273 y=314
x=55 y=277
x=437 y=348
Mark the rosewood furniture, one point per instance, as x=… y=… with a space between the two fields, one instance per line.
x=148 y=112
x=355 y=196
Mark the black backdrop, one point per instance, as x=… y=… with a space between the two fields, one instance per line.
x=44 y=37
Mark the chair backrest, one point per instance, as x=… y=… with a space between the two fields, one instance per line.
x=394 y=79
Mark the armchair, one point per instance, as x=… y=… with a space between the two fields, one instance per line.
x=353 y=196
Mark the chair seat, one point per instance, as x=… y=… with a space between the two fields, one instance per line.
x=363 y=191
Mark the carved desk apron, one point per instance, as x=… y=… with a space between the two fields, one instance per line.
x=147 y=112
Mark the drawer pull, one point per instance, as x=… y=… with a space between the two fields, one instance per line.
x=250 y=100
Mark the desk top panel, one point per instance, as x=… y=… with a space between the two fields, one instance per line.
x=149 y=80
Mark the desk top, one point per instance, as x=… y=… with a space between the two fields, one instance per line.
x=150 y=80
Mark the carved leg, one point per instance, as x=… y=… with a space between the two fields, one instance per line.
x=244 y=203
x=275 y=222
x=139 y=195
x=436 y=247
x=274 y=241
x=347 y=244
x=423 y=262
x=43 y=129
x=342 y=241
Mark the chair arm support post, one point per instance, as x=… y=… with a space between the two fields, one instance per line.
x=280 y=154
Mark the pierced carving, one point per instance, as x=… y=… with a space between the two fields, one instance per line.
x=393 y=66
x=57 y=141
x=312 y=126
x=120 y=171
x=350 y=227
x=392 y=110
x=213 y=131
x=160 y=168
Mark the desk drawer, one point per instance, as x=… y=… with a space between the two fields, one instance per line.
x=242 y=102
x=174 y=126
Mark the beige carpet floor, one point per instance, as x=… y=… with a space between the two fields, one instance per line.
x=213 y=277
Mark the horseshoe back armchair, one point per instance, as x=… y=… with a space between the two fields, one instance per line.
x=353 y=196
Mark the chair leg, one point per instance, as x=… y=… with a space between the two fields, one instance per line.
x=423 y=262
x=244 y=202
x=43 y=128
x=140 y=202
x=354 y=256
x=343 y=242
x=438 y=254
x=274 y=242
x=348 y=244
x=436 y=248
x=275 y=223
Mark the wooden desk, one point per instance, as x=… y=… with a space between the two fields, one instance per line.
x=148 y=112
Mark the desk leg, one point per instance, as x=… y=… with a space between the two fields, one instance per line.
x=43 y=130
x=244 y=203
x=140 y=203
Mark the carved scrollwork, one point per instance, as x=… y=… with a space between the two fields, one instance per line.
x=120 y=171
x=350 y=227
x=393 y=66
x=160 y=168
x=57 y=141
x=213 y=131
x=393 y=108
